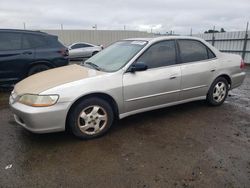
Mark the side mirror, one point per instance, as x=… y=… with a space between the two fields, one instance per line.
x=138 y=66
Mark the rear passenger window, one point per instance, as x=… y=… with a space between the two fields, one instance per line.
x=34 y=41
x=10 y=41
x=191 y=50
x=159 y=55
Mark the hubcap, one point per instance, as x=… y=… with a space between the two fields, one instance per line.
x=219 y=92
x=92 y=120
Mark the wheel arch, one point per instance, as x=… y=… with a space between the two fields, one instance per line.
x=35 y=63
x=42 y=62
x=101 y=95
x=227 y=77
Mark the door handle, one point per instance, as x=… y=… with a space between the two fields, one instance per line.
x=27 y=53
x=212 y=70
x=172 y=77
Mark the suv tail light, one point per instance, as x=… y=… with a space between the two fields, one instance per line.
x=242 y=64
x=64 y=52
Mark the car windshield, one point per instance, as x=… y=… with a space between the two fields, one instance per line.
x=115 y=56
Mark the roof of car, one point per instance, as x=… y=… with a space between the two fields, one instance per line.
x=23 y=31
x=161 y=38
x=157 y=38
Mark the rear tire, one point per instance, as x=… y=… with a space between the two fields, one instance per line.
x=37 y=68
x=218 y=91
x=91 y=118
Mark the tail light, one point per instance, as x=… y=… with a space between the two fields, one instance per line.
x=64 y=52
x=101 y=46
x=242 y=64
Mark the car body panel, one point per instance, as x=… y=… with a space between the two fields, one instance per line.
x=191 y=86
x=40 y=120
x=14 y=58
x=143 y=89
x=133 y=92
x=49 y=79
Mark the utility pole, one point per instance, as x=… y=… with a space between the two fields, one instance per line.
x=124 y=27
x=95 y=27
x=191 y=32
x=61 y=26
x=213 y=38
x=24 y=26
x=245 y=43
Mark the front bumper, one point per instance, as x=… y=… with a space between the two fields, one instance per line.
x=40 y=119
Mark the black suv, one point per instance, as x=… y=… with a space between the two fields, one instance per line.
x=23 y=53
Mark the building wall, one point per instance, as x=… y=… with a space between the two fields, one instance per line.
x=104 y=37
x=230 y=42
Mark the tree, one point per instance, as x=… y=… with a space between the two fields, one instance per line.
x=211 y=31
x=222 y=30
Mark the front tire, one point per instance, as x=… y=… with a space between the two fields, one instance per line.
x=91 y=118
x=218 y=91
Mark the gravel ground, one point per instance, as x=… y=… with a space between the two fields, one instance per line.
x=190 y=145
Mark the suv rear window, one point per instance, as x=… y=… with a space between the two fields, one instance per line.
x=10 y=41
x=34 y=41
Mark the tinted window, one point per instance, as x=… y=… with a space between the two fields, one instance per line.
x=80 y=46
x=53 y=41
x=10 y=41
x=191 y=50
x=159 y=54
x=34 y=41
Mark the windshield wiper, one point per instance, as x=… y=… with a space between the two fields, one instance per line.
x=93 y=65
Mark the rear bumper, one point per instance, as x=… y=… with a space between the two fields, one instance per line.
x=40 y=119
x=237 y=79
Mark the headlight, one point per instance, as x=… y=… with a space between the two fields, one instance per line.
x=38 y=100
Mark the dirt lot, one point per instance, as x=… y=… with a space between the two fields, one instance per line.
x=190 y=145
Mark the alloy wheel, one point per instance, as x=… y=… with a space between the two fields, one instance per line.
x=219 y=92
x=92 y=120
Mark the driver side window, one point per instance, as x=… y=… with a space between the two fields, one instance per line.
x=159 y=54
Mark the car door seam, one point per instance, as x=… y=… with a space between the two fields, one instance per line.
x=153 y=95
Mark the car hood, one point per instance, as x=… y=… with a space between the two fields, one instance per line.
x=43 y=81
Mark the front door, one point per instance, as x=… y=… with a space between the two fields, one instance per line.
x=159 y=84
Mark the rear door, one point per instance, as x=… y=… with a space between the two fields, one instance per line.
x=197 y=64
x=159 y=84
x=13 y=57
